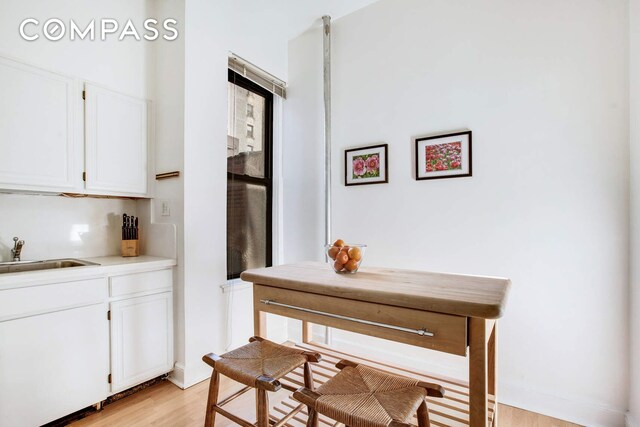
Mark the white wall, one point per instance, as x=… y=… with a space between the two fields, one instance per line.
x=58 y=227
x=634 y=113
x=257 y=31
x=49 y=224
x=543 y=86
x=303 y=152
x=168 y=95
x=213 y=29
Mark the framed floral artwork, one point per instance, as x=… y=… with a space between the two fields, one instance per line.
x=443 y=156
x=366 y=165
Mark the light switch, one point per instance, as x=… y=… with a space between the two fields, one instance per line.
x=165 y=208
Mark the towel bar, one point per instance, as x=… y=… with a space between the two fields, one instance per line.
x=422 y=332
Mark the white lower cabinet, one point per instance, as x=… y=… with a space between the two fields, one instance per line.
x=141 y=339
x=61 y=343
x=56 y=362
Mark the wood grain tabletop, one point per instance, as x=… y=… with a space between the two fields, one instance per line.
x=463 y=295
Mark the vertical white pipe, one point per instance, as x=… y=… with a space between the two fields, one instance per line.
x=326 y=47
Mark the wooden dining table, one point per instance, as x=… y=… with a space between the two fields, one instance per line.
x=451 y=313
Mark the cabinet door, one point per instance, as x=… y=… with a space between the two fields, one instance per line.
x=53 y=364
x=37 y=128
x=115 y=142
x=141 y=340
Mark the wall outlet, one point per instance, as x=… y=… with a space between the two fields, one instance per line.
x=165 y=208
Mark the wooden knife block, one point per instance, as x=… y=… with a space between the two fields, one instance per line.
x=129 y=248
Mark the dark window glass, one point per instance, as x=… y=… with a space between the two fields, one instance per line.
x=249 y=164
x=246 y=226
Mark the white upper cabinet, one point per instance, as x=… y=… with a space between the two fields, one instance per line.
x=115 y=142
x=50 y=141
x=38 y=141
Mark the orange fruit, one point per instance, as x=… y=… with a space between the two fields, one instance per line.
x=338 y=266
x=339 y=243
x=351 y=265
x=342 y=258
x=355 y=254
x=333 y=252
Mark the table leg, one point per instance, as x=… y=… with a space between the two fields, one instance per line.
x=306 y=332
x=478 y=372
x=493 y=366
x=259 y=323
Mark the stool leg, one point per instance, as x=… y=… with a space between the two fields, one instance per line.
x=263 y=408
x=423 y=415
x=308 y=376
x=212 y=400
x=312 y=421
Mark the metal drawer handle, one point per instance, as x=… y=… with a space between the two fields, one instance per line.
x=422 y=332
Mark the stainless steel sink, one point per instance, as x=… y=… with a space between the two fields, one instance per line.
x=20 y=266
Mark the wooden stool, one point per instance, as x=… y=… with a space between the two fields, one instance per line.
x=360 y=396
x=259 y=364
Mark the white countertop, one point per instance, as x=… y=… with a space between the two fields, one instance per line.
x=109 y=266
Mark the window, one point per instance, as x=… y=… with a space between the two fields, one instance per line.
x=249 y=176
x=249 y=110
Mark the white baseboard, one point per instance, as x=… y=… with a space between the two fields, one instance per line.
x=177 y=376
x=569 y=409
x=630 y=421
x=185 y=378
x=196 y=373
x=582 y=412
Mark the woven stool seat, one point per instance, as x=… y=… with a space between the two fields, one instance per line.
x=259 y=359
x=360 y=396
x=258 y=365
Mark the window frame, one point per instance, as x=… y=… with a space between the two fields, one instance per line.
x=267 y=146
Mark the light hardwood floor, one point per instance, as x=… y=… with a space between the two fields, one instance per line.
x=165 y=404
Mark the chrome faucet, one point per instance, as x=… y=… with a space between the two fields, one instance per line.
x=17 y=248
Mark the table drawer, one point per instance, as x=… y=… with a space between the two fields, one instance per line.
x=449 y=332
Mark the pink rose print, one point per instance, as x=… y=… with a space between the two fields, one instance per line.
x=366 y=166
x=359 y=167
x=373 y=163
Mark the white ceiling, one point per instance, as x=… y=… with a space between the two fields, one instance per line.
x=294 y=17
